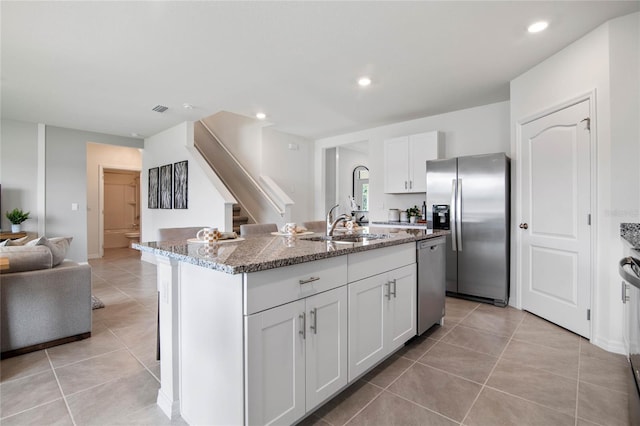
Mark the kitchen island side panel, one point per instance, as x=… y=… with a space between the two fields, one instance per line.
x=211 y=347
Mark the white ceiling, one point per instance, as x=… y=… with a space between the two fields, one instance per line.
x=102 y=66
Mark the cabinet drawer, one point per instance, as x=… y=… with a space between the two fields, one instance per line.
x=273 y=287
x=368 y=263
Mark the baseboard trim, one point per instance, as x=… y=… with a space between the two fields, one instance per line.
x=170 y=408
x=45 y=345
x=615 y=346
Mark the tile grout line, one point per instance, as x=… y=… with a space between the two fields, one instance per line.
x=64 y=397
x=484 y=385
x=413 y=362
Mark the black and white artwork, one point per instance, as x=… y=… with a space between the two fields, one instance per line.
x=153 y=188
x=180 y=184
x=166 y=188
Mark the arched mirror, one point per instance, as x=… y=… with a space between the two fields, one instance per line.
x=360 y=192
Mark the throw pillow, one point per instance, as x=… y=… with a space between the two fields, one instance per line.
x=16 y=242
x=58 y=246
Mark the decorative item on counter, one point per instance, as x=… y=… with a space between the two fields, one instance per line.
x=424 y=211
x=394 y=215
x=210 y=235
x=404 y=216
x=16 y=217
x=289 y=228
x=413 y=213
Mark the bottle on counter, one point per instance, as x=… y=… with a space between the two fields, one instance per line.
x=424 y=210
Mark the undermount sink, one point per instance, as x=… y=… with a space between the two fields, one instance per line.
x=348 y=239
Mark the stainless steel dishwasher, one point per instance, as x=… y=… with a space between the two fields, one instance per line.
x=431 y=282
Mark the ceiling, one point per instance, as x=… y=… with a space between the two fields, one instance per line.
x=103 y=66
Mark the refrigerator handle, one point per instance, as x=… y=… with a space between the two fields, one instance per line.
x=452 y=211
x=459 y=214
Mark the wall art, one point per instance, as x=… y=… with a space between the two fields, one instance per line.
x=166 y=188
x=154 y=188
x=180 y=184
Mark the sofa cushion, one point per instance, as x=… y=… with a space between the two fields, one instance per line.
x=16 y=242
x=58 y=246
x=26 y=258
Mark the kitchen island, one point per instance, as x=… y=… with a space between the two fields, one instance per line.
x=267 y=329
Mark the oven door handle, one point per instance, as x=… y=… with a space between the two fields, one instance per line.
x=632 y=279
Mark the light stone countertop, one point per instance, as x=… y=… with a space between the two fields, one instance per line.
x=258 y=253
x=631 y=233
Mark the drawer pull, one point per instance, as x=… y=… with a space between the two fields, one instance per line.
x=309 y=280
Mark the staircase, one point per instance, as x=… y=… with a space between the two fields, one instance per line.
x=237 y=219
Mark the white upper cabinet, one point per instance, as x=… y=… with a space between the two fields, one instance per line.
x=405 y=161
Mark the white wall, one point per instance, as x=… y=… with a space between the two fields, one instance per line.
x=479 y=130
x=107 y=156
x=265 y=151
x=605 y=60
x=19 y=171
x=291 y=169
x=206 y=205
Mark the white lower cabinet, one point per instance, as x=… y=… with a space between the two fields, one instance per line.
x=296 y=357
x=382 y=317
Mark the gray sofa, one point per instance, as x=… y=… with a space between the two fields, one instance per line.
x=42 y=305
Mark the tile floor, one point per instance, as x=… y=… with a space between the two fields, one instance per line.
x=485 y=366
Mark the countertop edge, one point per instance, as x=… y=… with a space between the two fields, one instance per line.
x=277 y=263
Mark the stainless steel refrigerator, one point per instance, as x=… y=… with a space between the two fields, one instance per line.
x=476 y=190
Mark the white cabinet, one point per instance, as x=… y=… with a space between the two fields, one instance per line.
x=405 y=161
x=382 y=304
x=296 y=357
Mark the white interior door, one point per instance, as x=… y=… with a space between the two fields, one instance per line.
x=555 y=229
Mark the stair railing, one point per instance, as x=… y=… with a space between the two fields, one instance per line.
x=255 y=184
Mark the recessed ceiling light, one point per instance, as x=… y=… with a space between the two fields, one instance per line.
x=135 y=135
x=364 y=81
x=187 y=106
x=261 y=116
x=536 y=27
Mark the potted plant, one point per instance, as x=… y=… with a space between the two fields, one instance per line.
x=413 y=213
x=16 y=217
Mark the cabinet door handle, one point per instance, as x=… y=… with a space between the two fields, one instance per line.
x=309 y=280
x=303 y=328
x=314 y=320
x=394 y=289
x=405 y=184
x=410 y=184
x=388 y=287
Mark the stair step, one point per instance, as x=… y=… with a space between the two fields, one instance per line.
x=236 y=229
x=239 y=220
x=236 y=208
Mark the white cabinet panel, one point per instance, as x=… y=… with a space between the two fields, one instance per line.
x=402 y=316
x=382 y=317
x=275 y=367
x=366 y=324
x=326 y=345
x=405 y=161
x=297 y=357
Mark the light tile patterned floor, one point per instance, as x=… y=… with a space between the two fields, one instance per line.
x=485 y=366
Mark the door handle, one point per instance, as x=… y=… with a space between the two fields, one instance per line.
x=524 y=226
x=314 y=320
x=394 y=289
x=459 y=213
x=388 y=286
x=454 y=234
x=405 y=184
x=625 y=297
x=303 y=328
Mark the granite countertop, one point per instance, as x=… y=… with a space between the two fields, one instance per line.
x=631 y=233
x=261 y=252
x=401 y=224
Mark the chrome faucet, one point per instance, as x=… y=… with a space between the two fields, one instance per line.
x=331 y=224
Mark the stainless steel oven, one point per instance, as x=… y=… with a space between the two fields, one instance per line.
x=629 y=269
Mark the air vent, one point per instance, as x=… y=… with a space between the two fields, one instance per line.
x=160 y=108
